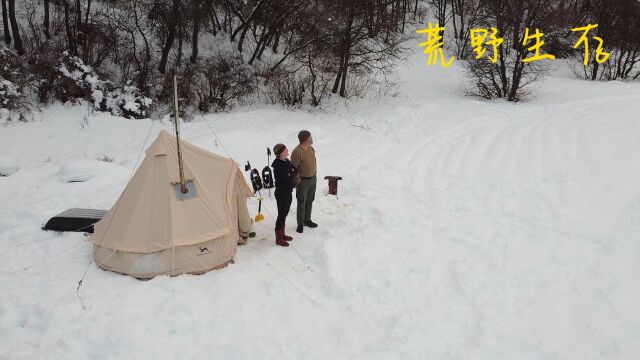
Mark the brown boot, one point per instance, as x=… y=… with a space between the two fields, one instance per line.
x=279 y=238
x=285 y=236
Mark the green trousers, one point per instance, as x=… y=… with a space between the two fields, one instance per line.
x=305 y=194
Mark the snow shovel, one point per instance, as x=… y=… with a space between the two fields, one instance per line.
x=260 y=217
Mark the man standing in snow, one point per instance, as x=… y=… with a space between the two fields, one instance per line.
x=303 y=158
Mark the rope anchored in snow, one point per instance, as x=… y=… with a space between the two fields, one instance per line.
x=114 y=212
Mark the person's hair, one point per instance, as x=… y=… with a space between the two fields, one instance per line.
x=278 y=149
x=303 y=136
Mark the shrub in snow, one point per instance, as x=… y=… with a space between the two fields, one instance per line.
x=79 y=81
x=295 y=85
x=285 y=87
x=104 y=158
x=12 y=79
x=43 y=65
x=126 y=102
x=75 y=80
x=7 y=166
x=9 y=94
x=214 y=83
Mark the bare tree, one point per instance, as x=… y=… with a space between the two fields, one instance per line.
x=619 y=26
x=508 y=77
x=196 y=17
x=246 y=21
x=17 y=40
x=439 y=10
x=45 y=24
x=71 y=39
x=315 y=46
x=364 y=41
x=5 y=23
x=464 y=17
x=174 y=19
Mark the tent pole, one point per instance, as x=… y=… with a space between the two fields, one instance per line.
x=183 y=187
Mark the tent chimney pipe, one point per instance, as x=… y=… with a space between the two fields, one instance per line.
x=183 y=186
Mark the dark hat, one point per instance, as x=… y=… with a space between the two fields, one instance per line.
x=303 y=135
x=278 y=149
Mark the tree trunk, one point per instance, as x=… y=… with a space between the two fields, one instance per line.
x=78 y=16
x=314 y=100
x=5 y=22
x=442 y=17
x=180 y=42
x=515 y=80
x=86 y=16
x=17 y=41
x=453 y=18
x=78 y=28
x=264 y=46
x=336 y=83
x=345 y=44
x=596 y=67
x=228 y=21
x=196 y=29
x=67 y=25
x=46 y=20
x=261 y=42
x=162 y=67
x=404 y=14
x=244 y=32
x=503 y=74
x=214 y=18
x=216 y=22
x=144 y=36
x=236 y=31
x=347 y=53
x=345 y=68
x=276 y=42
x=247 y=25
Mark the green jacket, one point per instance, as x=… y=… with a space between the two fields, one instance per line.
x=304 y=161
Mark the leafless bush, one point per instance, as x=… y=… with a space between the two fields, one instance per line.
x=105 y=158
x=212 y=84
x=285 y=87
x=509 y=77
x=618 y=26
x=224 y=78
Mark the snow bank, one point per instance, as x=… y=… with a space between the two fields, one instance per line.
x=84 y=170
x=8 y=166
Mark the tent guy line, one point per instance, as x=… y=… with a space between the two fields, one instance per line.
x=86 y=270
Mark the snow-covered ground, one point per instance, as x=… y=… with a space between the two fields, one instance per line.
x=463 y=230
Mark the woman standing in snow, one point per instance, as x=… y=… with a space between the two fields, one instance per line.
x=284 y=173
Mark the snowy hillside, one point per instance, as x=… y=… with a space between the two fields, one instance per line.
x=463 y=230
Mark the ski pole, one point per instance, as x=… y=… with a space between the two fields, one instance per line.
x=269 y=158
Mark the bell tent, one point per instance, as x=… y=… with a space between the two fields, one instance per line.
x=155 y=228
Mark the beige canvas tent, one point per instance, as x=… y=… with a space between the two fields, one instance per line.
x=154 y=230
